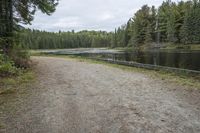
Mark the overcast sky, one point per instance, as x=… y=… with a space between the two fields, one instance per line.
x=90 y=14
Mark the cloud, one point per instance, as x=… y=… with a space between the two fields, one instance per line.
x=106 y=17
x=89 y=14
x=67 y=22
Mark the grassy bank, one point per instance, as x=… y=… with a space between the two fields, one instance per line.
x=9 y=85
x=182 y=47
x=163 y=47
x=13 y=91
x=183 y=79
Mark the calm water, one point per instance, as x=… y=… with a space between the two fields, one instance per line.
x=178 y=59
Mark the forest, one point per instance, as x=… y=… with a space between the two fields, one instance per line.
x=35 y=39
x=175 y=23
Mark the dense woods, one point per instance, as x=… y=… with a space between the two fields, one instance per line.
x=175 y=23
x=171 y=23
x=35 y=39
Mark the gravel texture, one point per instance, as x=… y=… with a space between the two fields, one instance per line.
x=71 y=96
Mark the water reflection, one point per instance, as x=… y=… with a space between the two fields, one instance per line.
x=186 y=60
x=178 y=59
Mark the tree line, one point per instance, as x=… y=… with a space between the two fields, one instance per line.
x=35 y=39
x=172 y=22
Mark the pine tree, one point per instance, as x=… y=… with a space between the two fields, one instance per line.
x=191 y=28
x=148 y=35
x=171 y=28
x=15 y=11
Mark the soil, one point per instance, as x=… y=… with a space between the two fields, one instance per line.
x=71 y=96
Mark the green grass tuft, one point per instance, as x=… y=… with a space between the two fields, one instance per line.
x=8 y=91
x=9 y=85
x=2 y=126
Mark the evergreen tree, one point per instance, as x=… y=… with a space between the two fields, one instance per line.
x=148 y=35
x=191 y=28
x=14 y=12
x=35 y=39
x=171 y=28
x=174 y=22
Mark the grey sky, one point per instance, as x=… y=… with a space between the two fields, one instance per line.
x=89 y=14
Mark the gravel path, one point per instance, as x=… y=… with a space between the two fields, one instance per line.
x=80 y=97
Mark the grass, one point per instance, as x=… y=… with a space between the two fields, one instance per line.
x=2 y=125
x=165 y=47
x=128 y=49
x=183 y=47
x=182 y=79
x=8 y=91
x=12 y=90
x=9 y=85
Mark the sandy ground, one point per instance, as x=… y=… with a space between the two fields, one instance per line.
x=79 y=97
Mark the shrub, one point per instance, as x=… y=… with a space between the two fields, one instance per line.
x=7 y=67
x=20 y=57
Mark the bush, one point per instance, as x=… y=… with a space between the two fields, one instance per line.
x=20 y=57
x=7 y=67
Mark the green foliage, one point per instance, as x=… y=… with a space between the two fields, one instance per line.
x=25 y=9
x=17 y=60
x=19 y=11
x=191 y=26
x=11 y=14
x=35 y=39
x=148 y=35
x=20 y=57
x=172 y=22
x=7 y=67
x=143 y=25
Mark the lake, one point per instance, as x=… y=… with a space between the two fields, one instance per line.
x=178 y=59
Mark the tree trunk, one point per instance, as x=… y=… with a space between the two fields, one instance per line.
x=7 y=25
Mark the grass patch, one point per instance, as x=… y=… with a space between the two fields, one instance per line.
x=8 y=91
x=182 y=79
x=12 y=90
x=164 y=47
x=9 y=85
x=183 y=47
x=128 y=49
x=2 y=126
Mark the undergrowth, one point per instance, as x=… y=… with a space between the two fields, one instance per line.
x=9 y=85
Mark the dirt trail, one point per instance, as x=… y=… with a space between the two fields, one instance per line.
x=79 y=97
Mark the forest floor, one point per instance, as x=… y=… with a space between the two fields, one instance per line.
x=73 y=96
